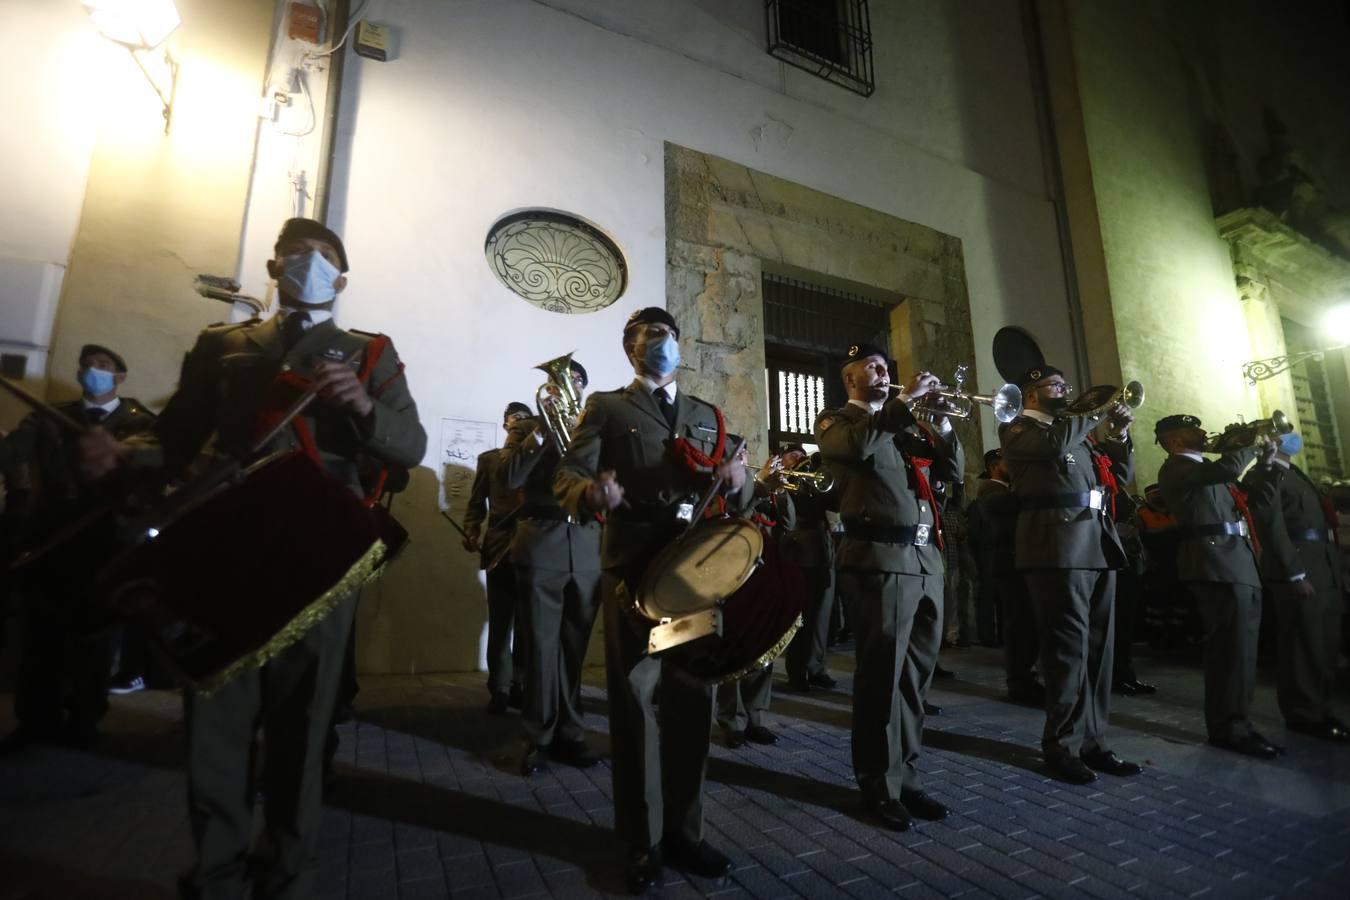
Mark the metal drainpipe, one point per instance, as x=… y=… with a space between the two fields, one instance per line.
x=339 y=20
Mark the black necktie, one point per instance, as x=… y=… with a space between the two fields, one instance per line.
x=667 y=406
x=94 y=414
x=293 y=329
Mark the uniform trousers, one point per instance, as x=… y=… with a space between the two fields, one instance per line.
x=805 y=654
x=559 y=612
x=960 y=614
x=1020 y=643
x=507 y=650
x=1231 y=614
x=744 y=702
x=292 y=698
x=660 y=756
x=897 y=621
x=64 y=669
x=1076 y=627
x=1310 y=636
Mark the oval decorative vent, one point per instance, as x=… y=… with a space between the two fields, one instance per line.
x=556 y=261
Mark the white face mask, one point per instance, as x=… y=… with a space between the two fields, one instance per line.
x=308 y=278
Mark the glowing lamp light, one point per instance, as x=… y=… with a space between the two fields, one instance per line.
x=1337 y=324
x=139 y=24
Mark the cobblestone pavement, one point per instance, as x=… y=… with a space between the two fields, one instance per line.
x=430 y=805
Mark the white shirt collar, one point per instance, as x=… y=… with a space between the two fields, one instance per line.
x=1191 y=454
x=315 y=315
x=999 y=481
x=106 y=407
x=1039 y=416
x=870 y=407
x=651 y=387
x=1281 y=462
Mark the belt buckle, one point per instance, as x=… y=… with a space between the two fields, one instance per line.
x=684 y=513
x=1242 y=527
x=921 y=535
x=1095 y=497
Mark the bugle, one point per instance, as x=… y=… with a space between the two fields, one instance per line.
x=1006 y=402
x=1241 y=435
x=1102 y=398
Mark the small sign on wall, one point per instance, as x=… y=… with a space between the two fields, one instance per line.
x=462 y=440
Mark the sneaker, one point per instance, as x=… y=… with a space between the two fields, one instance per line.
x=127 y=685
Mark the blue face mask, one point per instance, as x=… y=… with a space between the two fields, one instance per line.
x=1291 y=443
x=96 y=382
x=661 y=356
x=308 y=277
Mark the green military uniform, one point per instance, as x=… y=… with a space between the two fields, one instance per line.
x=659 y=755
x=493 y=501
x=1067 y=550
x=1297 y=529
x=1217 y=562
x=556 y=558
x=743 y=703
x=66 y=662
x=890 y=570
x=993 y=520
x=809 y=544
x=224 y=380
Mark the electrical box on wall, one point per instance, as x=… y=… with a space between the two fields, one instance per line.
x=372 y=41
x=302 y=22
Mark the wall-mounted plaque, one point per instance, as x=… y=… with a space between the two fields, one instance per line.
x=556 y=261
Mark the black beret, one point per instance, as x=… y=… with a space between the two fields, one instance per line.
x=992 y=456
x=516 y=407
x=791 y=448
x=862 y=350
x=580 y=370
x=1037 y=373
x=301 y=229
x=651 y=315
x=1172 y=423
x=118 y=362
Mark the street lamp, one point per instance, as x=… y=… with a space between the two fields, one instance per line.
x=141 y=26
x=1336 y=323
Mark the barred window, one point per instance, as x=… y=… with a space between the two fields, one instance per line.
x=828 y=38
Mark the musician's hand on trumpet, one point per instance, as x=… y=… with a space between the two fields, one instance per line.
x=1268 y=445
x=605 y=493
x=1118 y=422
x=920 y=384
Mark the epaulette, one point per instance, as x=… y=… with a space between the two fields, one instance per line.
x=368 y=334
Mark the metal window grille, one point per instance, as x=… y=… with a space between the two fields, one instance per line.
x=1322 y=457
x=828 y=38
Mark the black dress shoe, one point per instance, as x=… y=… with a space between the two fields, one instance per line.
x=758 y=734
x=1069 y=769
x=734 y=739
x=497 y=705
x=516 y=699
x=822 y=680
x=1329 y=729
x=574 y=753
x=535 y=760
x=702 y=859
x=939 y=672
x=931 y=709
x=1248 y=745
x=1279 y=751
x=891 y=813
x=1143 y=688
x=643 y=869
x=1107 y=761
x=1124 y=688
x=922 y=806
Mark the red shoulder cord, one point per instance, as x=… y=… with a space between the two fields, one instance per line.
x=923 y=488
x=698 y=462
x=1333 y=518
x=1240 y=500
x=284 y=387
x=1105 y=477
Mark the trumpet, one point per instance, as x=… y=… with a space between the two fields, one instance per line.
x=796 y=480
x=559 y=402
x=1242 y=435
x=1101 y=398
x=1006 y=402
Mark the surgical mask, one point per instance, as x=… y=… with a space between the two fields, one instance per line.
x=1291 y=443
x=308 y=277
x=662 y=356
x=96 y=382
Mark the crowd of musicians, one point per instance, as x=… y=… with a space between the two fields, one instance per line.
x=569 y=515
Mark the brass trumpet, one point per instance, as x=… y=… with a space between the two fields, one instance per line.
x=558 y=401
x=796 y=480
x=1241 y=435
x=1101 y=398
x=1006 y=402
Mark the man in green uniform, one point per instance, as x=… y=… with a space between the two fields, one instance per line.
x=890 y=569
x=1299 y=560
x=1067 y=551
x=492 y=501
x=809 y=544
x=622 y=464
x=1216 y=561
x=556 y=558
x=62 y=687
x=223 y=391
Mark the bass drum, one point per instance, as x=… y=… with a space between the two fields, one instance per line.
x=700 y=570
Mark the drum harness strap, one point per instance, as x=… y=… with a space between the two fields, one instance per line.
x=698 y=462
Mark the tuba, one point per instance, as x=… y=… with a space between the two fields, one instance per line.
x=1006 y=402
x=558 y=401
x=1242 y=435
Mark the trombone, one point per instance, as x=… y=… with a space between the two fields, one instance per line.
x=1006 y=402
x=1242 y=435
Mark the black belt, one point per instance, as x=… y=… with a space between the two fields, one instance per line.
x=1085 y=500
x=546 y=513
x=916 y=535
x=1216 y=530
x=1313 y=536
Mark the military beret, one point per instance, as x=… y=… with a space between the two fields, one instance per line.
x=118 y=362
x=862 y=350
x=516 y=407
x=302 y=229
x=791 y=448
x=1172 y=423
x=651 y=315
x=1038 y=373
x=580 y=370
x=992 y=456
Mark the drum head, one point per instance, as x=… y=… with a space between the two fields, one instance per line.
x=1015 y=351
x=701 y=570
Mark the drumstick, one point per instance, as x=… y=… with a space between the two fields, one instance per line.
x=40 y=406
x=711 y=492
x=301 y=403
x=464 y=534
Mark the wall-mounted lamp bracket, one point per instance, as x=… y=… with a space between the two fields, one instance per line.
x=1261 y=369
x=165 y=92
